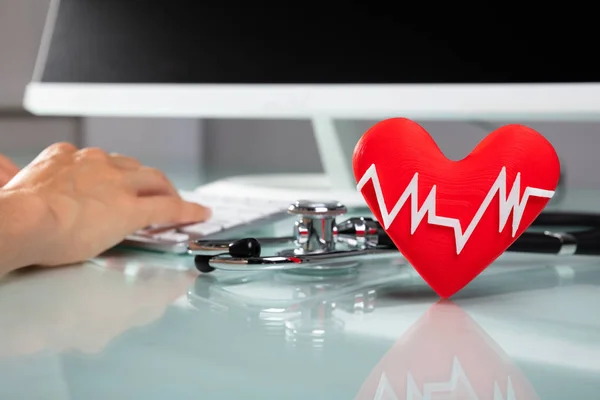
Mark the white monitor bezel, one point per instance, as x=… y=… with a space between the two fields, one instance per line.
x=562 y=101
x=440 y=102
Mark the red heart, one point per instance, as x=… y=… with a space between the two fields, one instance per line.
x=444 y=355
x=444 y=251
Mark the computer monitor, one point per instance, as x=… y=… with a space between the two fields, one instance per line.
x=184 y=58
x=360 y=61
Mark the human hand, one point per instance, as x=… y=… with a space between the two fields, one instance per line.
x=8 y=170
x=87 y=201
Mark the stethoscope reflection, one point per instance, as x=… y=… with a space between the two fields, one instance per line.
x=446 y=355
x=310 y=310
x=301 y=309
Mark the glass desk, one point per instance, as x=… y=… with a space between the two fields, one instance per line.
x=138 y=325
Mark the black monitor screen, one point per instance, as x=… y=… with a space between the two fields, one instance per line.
x=178 y=41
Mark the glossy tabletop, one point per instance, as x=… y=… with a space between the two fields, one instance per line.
x=141 y=325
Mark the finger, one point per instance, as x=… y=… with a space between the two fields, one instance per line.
x=57 y=149
x=91 y=154
x=124 y=162
x=160 y=210
x=5 y=178
x=147 y=181
x=62 y=149
x=42 y=164
x=7 y=166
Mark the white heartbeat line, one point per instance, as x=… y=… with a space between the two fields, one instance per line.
x=507 y=205
x=457 y=375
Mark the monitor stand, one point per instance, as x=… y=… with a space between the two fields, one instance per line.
x=335 y=141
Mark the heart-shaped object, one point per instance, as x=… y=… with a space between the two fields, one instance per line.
x=451 y=219
x=446 y=355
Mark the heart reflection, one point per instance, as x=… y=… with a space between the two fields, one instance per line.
x=446 y=355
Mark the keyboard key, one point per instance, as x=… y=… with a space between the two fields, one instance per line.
x=172 y=236
x=229 y=210
x=204 y=229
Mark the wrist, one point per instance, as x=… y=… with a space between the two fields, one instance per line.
x=25 y=229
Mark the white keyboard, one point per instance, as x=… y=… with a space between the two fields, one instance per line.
x=234 y=204
x=228 y=212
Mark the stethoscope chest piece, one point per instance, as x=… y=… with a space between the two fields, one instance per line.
x=318 y=244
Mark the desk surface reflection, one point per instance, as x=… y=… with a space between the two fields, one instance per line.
x=141 y=325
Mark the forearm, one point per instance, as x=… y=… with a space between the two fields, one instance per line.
x=25 y=229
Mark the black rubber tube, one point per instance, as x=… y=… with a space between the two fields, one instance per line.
x=587 y=236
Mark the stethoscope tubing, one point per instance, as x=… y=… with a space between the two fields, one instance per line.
x=577 y=242
x=322 y=261
x=567 y=242
x=220 y=246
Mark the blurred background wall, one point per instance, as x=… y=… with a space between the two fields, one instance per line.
x=21 y=136
x=193 y=151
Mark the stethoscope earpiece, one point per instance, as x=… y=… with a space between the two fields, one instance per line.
x=244 y=248
x=240 y=248
x=202 y=263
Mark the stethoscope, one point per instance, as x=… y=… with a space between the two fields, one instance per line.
x=320 y=243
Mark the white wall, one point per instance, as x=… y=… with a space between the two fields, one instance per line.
x=173 y=145
x=241 y=145
x=21 y=25
x=21 y=136
x=258 y=146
